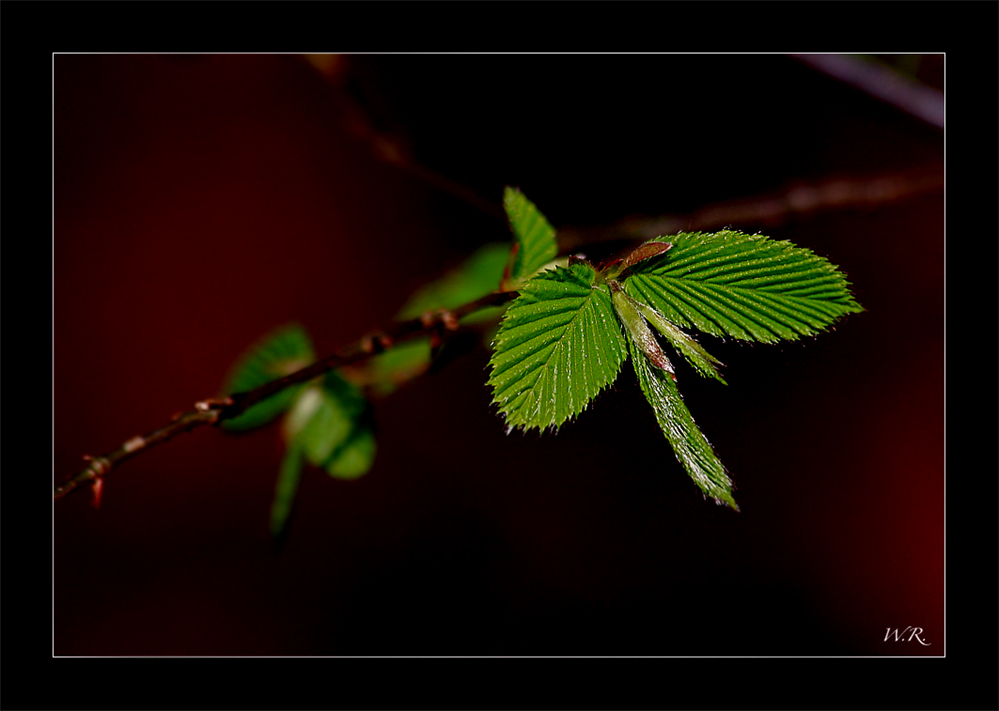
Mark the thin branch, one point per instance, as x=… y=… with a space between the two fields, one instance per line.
x=769 y=210
x=883 y=83
x=98 y=468
x=212 y=411
x=387 y=144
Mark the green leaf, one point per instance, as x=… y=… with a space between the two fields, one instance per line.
x=354 y=454
x=534 y=238
x=744 y=286
x=558 y=345
x=628 y=310
x=354 y=458
x=400 y=363
x=286 y=489
x=692 y=449
x=331 y=424
x=477 y=276
x=702 y=361
x=278 y=354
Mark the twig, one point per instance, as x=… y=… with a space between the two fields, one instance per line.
x=883 y=83
x=769 y=210
x=212 y=411
x=390 y=146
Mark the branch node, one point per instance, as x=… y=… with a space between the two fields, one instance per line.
x=212 y=411
x=134 y=444
x=213 y=405
x=98 y=465
x=375 y=343
x=437 y=318
x=449 y=320
x=97 y=468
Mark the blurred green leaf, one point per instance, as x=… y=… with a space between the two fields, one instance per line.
x=477 y=276
x=355 y=457
x=331 y=424
x=400 y=363
x=534 y=237
x=286 y=489
x=278 y=354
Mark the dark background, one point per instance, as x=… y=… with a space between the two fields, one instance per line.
x=201 y=201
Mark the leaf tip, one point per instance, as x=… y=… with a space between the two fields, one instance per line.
x=728 y=501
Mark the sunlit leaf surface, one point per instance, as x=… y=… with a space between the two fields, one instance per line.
x=558 y=345
x=744 y=286
x=692 y=449
x=534 y=237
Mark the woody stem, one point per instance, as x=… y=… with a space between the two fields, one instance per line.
x=215 y=410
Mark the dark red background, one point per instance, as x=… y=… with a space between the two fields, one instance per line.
x=201 y=201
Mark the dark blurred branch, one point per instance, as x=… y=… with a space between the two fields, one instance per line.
x=883 y=83
x=215 y=410
x=767 y=210
x=390 y=146
x=387 y=144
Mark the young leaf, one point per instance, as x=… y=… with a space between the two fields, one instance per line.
x=330 y=423
x=558 y=345
x=692 y=449
x=647 y=251
x=534 y=237
x=354 y=457
x=286 y=489
x=744 y=286
x=477 y=276
x=702 y=361
x=400 y=363
x=280 y=353
x=634 y=323
x=355 y=453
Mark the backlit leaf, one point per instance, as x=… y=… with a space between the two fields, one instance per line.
x=702 y=361
x=744 y=286
x=534 y=237
x=692 y=449
x=558 y=345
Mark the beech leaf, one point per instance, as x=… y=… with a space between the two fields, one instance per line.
x=748 y=287
x=289 y=476
x=558 y=345
x=534 y=237
x=691 y=447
